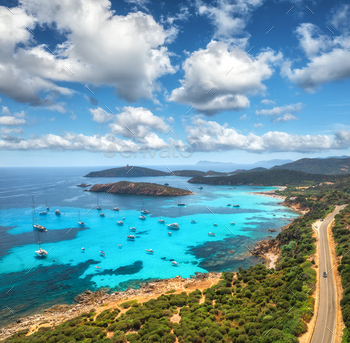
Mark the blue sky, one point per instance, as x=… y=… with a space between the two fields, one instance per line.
x=86 y=82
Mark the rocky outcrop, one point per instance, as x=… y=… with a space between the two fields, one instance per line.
x=140 y=188
x=83 y=185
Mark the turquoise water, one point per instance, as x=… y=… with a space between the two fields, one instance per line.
x=68 y=269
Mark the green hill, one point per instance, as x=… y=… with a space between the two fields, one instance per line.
x=127 y=171
x=331 y=166
x=277 y=177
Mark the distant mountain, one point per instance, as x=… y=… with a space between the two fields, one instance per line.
x=129 y=171
x=230 y=166
x=330 y=166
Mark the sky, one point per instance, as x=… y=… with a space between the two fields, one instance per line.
x=142 y=82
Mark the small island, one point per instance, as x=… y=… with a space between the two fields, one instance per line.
x=139 y=188
x=84 y=185
x=130 y=171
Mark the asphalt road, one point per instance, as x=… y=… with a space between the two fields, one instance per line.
x=326 y=320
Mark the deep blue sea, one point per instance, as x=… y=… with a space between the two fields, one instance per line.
x=29 y=283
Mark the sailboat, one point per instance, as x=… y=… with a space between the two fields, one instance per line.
x=150 y=251
x=161 y=221
x=35 y=221
x=41 y=252
x=47 y=207
x=116 y=209
x=98 y=207
x=174 y=226
x=80 y=222
x=181 y=204
x=119 y=222
x=143 y=211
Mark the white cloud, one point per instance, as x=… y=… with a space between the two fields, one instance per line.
x=206 y=69
x=340 y=18
x=211 y=136
x=267 y=102
x=276 y=111
x=52 y=119
x=258 y=125
x=286 y=117
x=141 y=124
x=328 y=58
x=11 y=121
x=5 y=111
x=99 y=47
x=73 y=116
x=100 y=115
x=7 y=130
x=228 y=17
x=243 y=117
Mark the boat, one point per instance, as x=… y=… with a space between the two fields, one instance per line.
x=130 y=237
x=98 y=207
x=142 y=217
x=120 y=222
x=166 y=184
x=170 y=233
x=174 y=226
x=58 y=212
x=80 y=222
x=274 y=215
x=175 y=264
x=82 y=248
x=200 y=187
x=102 y=253
x=133 y=228
x=228 y=205
x=102 y=214
x=116 y=209
x=42 y=213
x=161 y=221
x=235 y=205
x=119 y=245
x=35 y=221
x=215 y=224
x=211 y=233
x=47 y=207
x=193 y=221
x=97 y=267
x=123 y=218
x=144 y=212
x=150 y=251
x=232 y=223
x=181 y=204
x=41 y=252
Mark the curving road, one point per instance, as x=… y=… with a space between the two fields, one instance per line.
x=326 y=320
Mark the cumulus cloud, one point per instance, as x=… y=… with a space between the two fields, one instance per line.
x=209 y=88
x=228 y=17
x=98 y=47
x=100 y=115
x=276 y=111
x=257 y=125
x=211 y=136
x=140 y=124
x=267 y=102
x=8 y=119
x=328 y=56
x=286 y=117
x=243 y=117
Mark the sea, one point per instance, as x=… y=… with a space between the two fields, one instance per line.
x=29 y=284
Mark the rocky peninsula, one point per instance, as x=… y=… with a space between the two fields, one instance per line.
x=139 y=188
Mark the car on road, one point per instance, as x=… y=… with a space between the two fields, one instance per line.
x=321 y=220
x=316 y=226
x=324 y=274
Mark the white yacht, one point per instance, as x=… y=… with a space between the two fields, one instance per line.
x=174 y=226
x=58 y=212
x=161 y=221
x=35 y=221
x=211 y=233
x=142 y=217
x=80 y=222
x=120 y=222
x=41 y=252
x=193 y=221
x=130 y=237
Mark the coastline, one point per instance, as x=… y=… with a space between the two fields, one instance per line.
x=101 y=300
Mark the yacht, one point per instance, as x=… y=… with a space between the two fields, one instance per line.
x=232 y=223
x=200 y=187
x=41 y=252
x=130 y=237
x=119 y=245
x=181 y=204
x=102 y=253
x=175 y=264
x=35 y=221
x=150 y=251
x=228 y=205
x=161 y=221
x=174 y=226
x=144 y=212
x=120 y=222
x=133 y=228
x=230 y=188
x=116 y=209
x=98 y=207
x=47 y=207
x=142 y=217
x=211 y=233
x=170 y=233
x=80 y=222
x=42 y=213
x=58 y=212
x=102 y=215
x=83 y=248
x=215 y=224
x=235 y=206
x=166 y=184
x=193 y=221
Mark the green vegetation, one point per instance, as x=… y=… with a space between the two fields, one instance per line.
x=341 y=234
x=270 y=177
x=129 y=171
x=141 y=188
x=331 y=166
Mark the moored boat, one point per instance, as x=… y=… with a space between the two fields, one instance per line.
x=120 y=222
x=193 y=221
x=58 y=212
x=130 y=237
x=174 y=226
x=142 y=217
x=211 y=233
